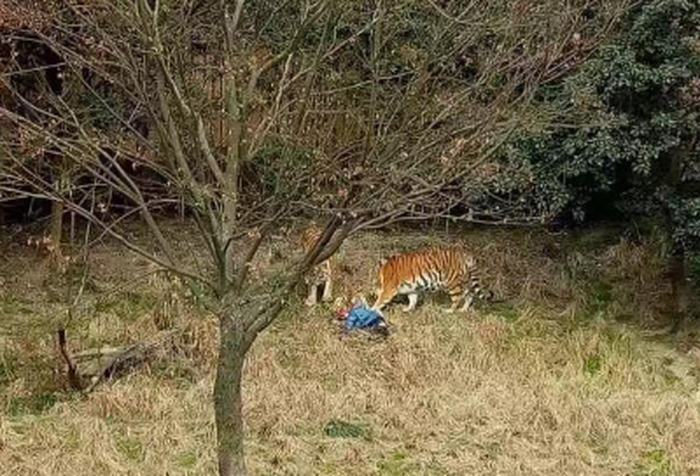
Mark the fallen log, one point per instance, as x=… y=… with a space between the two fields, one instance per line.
x=85 y=370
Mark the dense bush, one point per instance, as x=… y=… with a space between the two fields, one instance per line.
x=623 y=137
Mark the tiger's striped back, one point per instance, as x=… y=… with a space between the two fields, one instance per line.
x=449 y=268
x=321 y=274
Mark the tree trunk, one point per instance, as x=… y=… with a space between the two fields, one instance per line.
x=228 y=404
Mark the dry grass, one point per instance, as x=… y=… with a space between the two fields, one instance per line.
x=558 y=380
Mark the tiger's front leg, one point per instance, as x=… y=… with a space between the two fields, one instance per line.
x=327 y=291
x=412 y=301
x=328 y=285
x=312 y=299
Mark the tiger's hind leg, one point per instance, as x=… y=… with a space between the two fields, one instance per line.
x=468 y=300
x=456 y=297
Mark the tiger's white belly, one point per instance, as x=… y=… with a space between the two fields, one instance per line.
x=420 y=286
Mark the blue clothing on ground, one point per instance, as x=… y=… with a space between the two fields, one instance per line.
x=362 y=317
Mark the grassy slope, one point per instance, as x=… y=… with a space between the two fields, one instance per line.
x=559 y=380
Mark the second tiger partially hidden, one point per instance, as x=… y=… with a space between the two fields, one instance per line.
x=451 y=269
x=319 y=275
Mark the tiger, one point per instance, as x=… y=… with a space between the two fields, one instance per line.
x=448 y=268
x=322 y=273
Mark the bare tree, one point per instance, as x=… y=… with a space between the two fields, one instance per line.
x=251 y=115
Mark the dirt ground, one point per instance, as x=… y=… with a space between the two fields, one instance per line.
x=571 y=374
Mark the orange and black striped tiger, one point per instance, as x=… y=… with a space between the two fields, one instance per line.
x=322 y=273
x=449 y=268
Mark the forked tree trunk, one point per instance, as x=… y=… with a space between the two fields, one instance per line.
x=228 y=404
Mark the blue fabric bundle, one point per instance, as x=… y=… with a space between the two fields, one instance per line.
x=362 y=317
